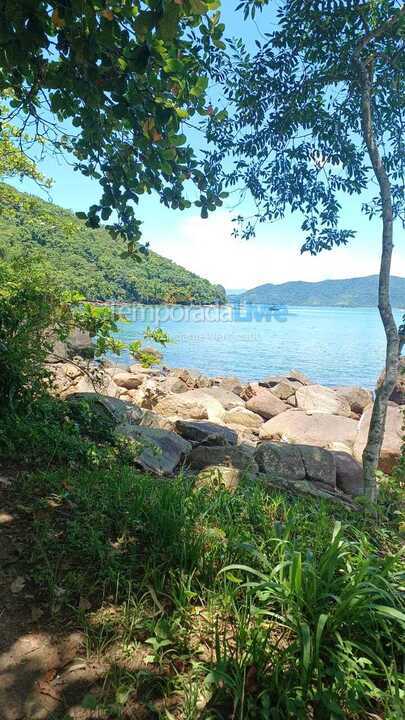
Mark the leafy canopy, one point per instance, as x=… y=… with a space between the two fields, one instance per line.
x=293 y=131
x=113 y=84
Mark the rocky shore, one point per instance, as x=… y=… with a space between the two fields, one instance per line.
x=288 y=430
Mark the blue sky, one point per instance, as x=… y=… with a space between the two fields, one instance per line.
x=207 y=246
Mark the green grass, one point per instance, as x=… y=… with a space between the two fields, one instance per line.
x=234 y=605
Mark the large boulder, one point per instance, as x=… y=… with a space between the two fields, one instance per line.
x=349 y=474
x=153 y=420
x=64 y=375
x=239 y=456
x=203 y=432
x=271 y=380
x=214 y=475
x=357 y=397
x=193 y=405
x=173 y=384
x=244 y=417
x=296 y=462
x=295 y=377
x=393 y=436
x=94 y=381
x=149 y=393
x=246 y=436
x=299 y=377
x=108 y=408
x=320 y=399
x=127 y=380
x=265 y=404
x=161 y=451
x=194 y=379
x=139 y=369
x=398 y=393
x=319 y=465
x=281 y=460
x=233 y=384
x=284 y=389
x=316 y=429
x=227 y=398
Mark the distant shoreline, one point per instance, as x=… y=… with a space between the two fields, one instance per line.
x=128 y=303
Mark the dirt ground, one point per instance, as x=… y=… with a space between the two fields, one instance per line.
x=44 y=671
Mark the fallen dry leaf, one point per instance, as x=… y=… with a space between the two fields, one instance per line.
x=49 y=675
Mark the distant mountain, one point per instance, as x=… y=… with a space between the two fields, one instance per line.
x=352 y=292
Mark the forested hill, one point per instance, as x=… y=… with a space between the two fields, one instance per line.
x=90 y=261
x=353 y=292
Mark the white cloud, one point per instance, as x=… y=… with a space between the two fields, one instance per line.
x=207 y=247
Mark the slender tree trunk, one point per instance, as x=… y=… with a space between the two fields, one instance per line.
x=372 y=450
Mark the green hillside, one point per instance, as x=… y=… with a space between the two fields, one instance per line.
x=90 y=261
x=351 y=292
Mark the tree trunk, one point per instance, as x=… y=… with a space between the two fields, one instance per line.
x=371 y=454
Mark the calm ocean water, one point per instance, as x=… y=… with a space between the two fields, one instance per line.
x=334 y=346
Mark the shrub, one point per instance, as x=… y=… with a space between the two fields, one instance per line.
x=29 y=303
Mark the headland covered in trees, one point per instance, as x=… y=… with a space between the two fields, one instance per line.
x=88 y=262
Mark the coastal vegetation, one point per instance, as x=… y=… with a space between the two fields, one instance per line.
x=87 y=261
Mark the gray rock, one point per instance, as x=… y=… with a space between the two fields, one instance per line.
x=315 y=490
x=349 y=474
x=281 y=460
x=265 y=404
x=110 y=408
x=296 y=462
x=239 y=456
x=202 y=432
x=319 y=464
x=271 y=380
x=161 y=451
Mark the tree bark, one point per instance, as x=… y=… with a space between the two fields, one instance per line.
x=371 y=454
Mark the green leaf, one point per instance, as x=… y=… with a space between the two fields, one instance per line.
x=179 y=140
x=200 y=87
x=168 y=25
x=89 y=702
x=390 y=612
x=199 y=7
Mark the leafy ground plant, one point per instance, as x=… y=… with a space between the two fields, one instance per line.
x=211 y=604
